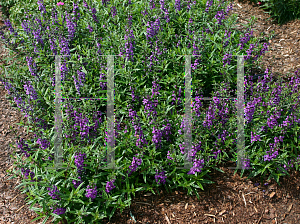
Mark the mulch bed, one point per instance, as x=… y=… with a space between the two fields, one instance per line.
x=231 y=199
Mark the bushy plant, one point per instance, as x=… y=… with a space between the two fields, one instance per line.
x=281 y=11
x=16 y=9
x=5 y=7
x=149 y=75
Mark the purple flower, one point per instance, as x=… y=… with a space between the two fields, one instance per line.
x=23 y=147
x=77 y=183
x=42 y=7
x=198 y=165
x=11 y=29
x=90 y=28
x=94 y=11
x=254 y=138
x=30 y=62
x=227 y=36
x=51 y=157
x=169 y=157
x=79 y=160
x=160 y=178
x=229 y=7
x=245 y=163
x=64 y=45
x=77 y=16
x=138 y=131
x=81 y=79
x=85 y=4
x=25 y=172
x=196 y=105
x=149 y=106
x=156 y=137
x=177 y=5
x=53 y=49
x=26 y=28
x=71 y=26
x=135 y=163
x=109 y=186
x=249 y=51
x=60 y=3
x=208 y=5
x=113 y=11
x=220 y=16
x=166 y=132
x=59 y=211
x=91 y=193
x=104 y=2
x=44 y=143
x=262 y=51
x=178 y=99
x=129 y=46
x=244 y=40
x=226 y=59
x=30 y=91
x=52 y=192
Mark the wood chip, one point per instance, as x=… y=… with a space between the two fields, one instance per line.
x=166 y=217
x=10 y=167
x=14 y=198
x=20 y=208
x=290 y=207
x=222 y=212
x=210 y=215
x=272 y=194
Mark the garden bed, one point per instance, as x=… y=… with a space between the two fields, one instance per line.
x=231 y=200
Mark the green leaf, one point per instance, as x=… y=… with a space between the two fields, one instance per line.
x=200 y=185
x=45 y=220
x=39 y=217
x=216 y=168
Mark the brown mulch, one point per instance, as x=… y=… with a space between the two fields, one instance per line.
x=230 y=200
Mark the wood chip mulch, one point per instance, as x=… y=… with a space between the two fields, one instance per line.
x=231 y=199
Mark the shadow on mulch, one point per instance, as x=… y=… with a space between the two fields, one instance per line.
x=231 y=199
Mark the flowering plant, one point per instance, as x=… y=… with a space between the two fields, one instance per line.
x=149 y=41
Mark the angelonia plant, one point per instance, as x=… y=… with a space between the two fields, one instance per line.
x=149 y=41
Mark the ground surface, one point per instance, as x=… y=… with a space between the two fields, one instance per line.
x=231 y=200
